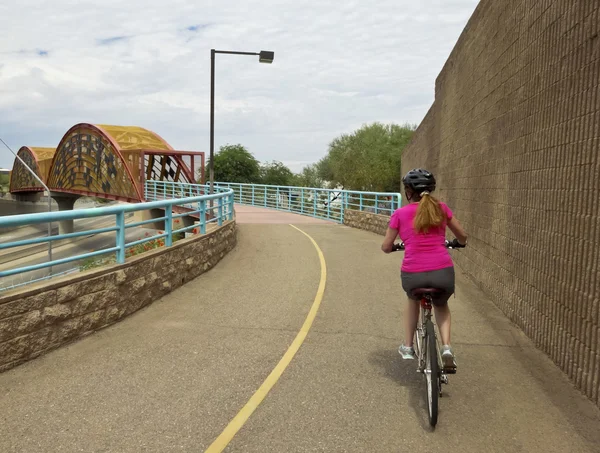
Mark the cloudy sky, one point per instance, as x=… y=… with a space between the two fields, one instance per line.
x=147 y=63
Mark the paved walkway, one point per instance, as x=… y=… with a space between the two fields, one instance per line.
x=253 y=215
x=171 y=377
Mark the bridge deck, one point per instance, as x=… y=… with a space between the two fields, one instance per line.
x=171 y=377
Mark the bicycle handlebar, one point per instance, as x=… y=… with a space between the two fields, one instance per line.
x=454 y=244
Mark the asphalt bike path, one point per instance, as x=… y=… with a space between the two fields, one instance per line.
x=176 y=375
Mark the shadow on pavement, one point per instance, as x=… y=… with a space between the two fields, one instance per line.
x=403 y=372
x=582 y=413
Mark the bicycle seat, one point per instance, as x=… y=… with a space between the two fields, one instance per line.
x=420 y=292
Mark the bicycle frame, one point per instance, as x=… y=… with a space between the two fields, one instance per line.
x=425 y=315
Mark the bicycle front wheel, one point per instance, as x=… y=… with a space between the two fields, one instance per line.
x=432 y=372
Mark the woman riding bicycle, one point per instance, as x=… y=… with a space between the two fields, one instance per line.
x=421 y=225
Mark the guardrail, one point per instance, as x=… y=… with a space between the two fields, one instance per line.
x=192 y=200
x=328 y=204
x=166 y=190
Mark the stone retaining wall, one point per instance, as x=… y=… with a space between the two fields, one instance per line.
x=37 y=319
x=375 y=223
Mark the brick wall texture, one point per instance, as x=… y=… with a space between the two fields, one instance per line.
x=40 y=318
x=513 y=139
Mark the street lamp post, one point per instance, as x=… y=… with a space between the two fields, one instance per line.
x=264 y=56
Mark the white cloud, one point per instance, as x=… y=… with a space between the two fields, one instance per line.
x=337 y=65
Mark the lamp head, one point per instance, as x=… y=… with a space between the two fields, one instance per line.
x=266 y=56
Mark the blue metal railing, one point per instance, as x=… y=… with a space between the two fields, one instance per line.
x=180 y=200
x=176 y=199
x=327 y=204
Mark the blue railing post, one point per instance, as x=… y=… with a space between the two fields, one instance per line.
x=231 y=206
x=240 y=195
x=302 y=200
x=252 y=195
x=360 y=197
x=265 y=196
x=202 y=209
x=277 y=199
x=169 y=225
x=342 y=207
x=120 y=237
x=220 y=211
x=315 y=203
x=328 y=205
x=376 y=204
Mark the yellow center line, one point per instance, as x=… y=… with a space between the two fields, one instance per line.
x=244 y=414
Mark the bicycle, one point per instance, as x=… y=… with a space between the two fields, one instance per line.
x=427 y=344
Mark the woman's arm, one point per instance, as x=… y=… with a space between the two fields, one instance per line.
x=388 y=242
x=458 y=231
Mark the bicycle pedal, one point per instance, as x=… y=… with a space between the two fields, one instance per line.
x=450 y=370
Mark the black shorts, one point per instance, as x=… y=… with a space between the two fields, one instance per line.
x=442 y=279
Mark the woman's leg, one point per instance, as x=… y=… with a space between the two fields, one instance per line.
x=445 y=281
x=442 y=319
x=410 y=280
x=411 y=317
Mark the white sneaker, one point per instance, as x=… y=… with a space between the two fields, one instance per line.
x=407 y=352
x=448 y=358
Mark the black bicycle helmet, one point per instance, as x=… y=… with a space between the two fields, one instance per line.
x=419 y=180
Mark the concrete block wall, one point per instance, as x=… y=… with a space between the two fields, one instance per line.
x=513 y=138
x=36 y=319
x=375 y=223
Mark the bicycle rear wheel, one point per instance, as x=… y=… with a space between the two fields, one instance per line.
x=432 y=373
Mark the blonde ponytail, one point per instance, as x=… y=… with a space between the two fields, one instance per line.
x=429 y=213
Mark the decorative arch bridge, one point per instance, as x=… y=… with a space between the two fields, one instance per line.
x=110 y=162
x=102 y=161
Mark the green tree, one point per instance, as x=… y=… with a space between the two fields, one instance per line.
x=234 y=163
x=4 y=183
x=276 y=174
x=369 y=158
x=309 y=177
x=324 y=171
x=315 y=175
